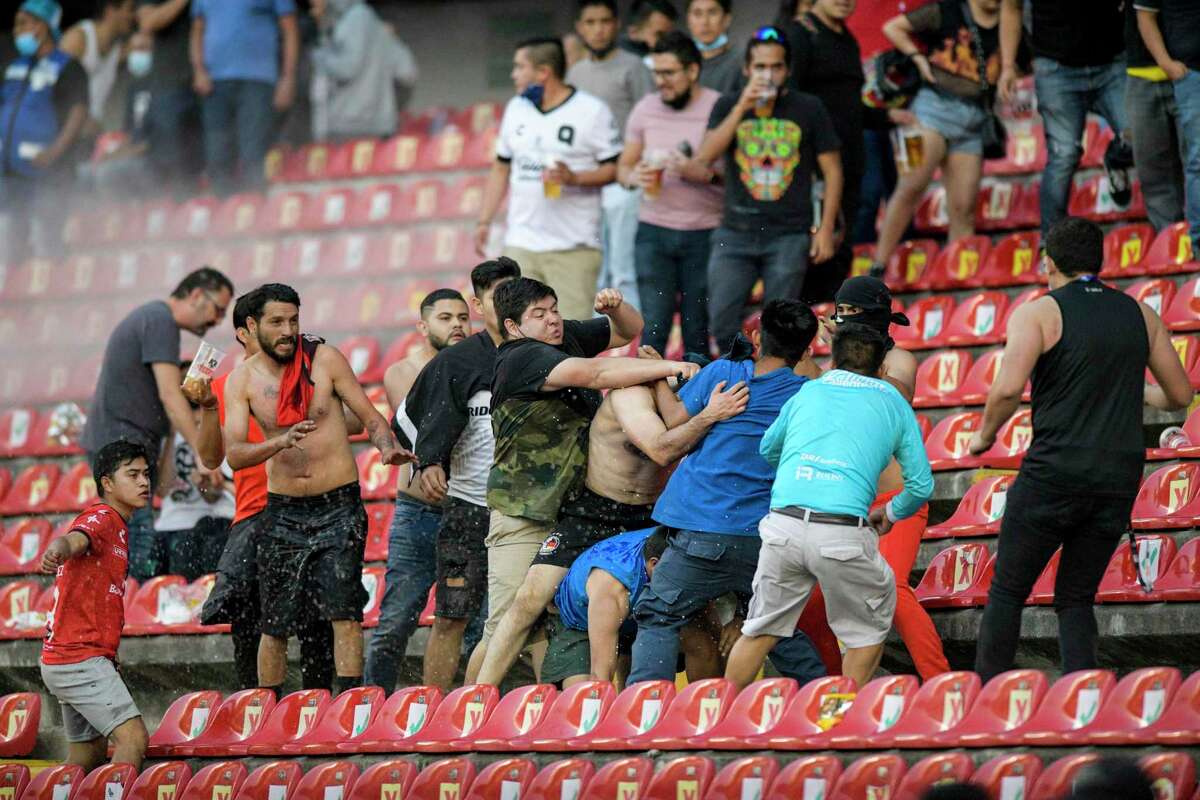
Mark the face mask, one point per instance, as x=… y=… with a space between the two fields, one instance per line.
x=534 y=93
x=140 y=62
x=27 y=44
x=715 y=44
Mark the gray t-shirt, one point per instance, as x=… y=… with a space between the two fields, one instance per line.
x=723 y=73
x=619 y=80
x=126 y=403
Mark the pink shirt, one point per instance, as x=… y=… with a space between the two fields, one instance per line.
x=680 y=205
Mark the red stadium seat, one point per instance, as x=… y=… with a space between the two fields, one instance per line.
x=274 y=780
x=1025 y=152
x=502 y=780
x=1024 y=297
x=998 y=205
x=311 y=163
x=238 y=216
x=329 y=210
x=937 y=708
x=1042 y=593
x=55 y=783
x=385 y=780
x=756 y=711
x=939 y=378
x=1180 y=723
x=75 y=491
x=13 y=780
x=1125 y=248
x=1092 y=198
x=748 y=777
x=561 y=779
x=380 y=204
x=20 y=715
x=1191 y=428
x=808 y=777
x=1000 y=711
x=682 y=778
x=154 y=223
x=462 y=199
x=332 y=780
x=22 y=545
x=186 y=719
x=292 y=718
x=950 y=576
x=17 y=601
x=194 y=219
x=623 y=779
x=1171 y=774
x=443 y=780
x=16 y=427
x=518 y=713
x=877 y=708
x=931 y=215
x=870 y=777
x=1168 y=498
x=378 y=480
x=636 y=711
x=977 y=320
x=106 y=781
x=929 y=317
x=1171 y=252
x=353 y=159
x=1181 y=582
x=1013 y=261
x=397 y=155
x=85 y=274
x=402 y=717
x=807 y=715
x=379 y=520
x=460 y=714
x=1071 y=704
x=693 y=712
x=239 y=717
x=1129 y=714
x=947 y=443
x=1012 y=440
x=284 y=213
x=32 y=280
x=348 y=717
x=933 y=770
x=1056 y=779
x=958 y=264
x=442 y=151
x=362 y=352
x=1154 y=292
x=1008 y=776
x=30 y=491
x=219 y=781
x=575 y=712
x=165 y=780
x=1183 y=312
x=908 y=264
x=1120 y=582
x=978 y=513
x=373 y=582
x=159 y=606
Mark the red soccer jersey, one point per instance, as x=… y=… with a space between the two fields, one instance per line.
x=249 y=484
x=89 y=592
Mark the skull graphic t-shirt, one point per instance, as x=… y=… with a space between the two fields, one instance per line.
x=770 y=163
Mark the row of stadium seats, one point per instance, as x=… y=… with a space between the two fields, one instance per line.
x=692 y=777
x=1020 y=707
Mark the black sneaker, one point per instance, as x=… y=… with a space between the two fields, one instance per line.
x=877 y=270
x=1118 y=159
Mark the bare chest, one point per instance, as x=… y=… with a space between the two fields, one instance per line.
x=264 y=400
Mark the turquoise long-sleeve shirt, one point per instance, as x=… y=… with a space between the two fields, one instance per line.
x=835 y=436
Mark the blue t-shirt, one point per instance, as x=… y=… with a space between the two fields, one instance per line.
x=621 y=557
x=241 y=37
x=724 y=485
x=833 y=439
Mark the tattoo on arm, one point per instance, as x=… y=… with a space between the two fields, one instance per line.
x=380 y=434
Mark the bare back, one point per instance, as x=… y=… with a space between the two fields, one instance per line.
x=617 y=469
x=398 y=381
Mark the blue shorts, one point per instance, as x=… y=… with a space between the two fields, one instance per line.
x=960 y=122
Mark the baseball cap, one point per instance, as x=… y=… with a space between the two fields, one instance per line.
x=48 y=11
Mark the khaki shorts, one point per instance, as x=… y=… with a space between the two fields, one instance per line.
x=859 y=587
x=512 y=543
x=572 y=274
x=94 y=699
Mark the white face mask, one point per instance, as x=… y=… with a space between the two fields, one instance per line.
x=140 y=63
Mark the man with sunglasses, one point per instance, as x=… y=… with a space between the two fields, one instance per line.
x=139 y=395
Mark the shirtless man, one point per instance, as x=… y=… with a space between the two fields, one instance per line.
x=310 y=556
x=630 y=456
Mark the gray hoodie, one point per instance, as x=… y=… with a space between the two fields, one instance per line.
x=355 y=66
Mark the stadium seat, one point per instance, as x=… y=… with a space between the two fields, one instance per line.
x=939 y=378
x=950 y=574
x=17 y=600
x=379 y=204
x=1180 y=723
x=329 y=210
x=1125 y=249
x=348 y=717
x=1025 y=151
x=292 y=718
x=362 y=352
x=807 y=777
x=59 y=782
x=193 y=219
x=998 y=205
x=1171 y=775
x=877 y=707
x=443 y=151
x=332 y=780
x=107 y=782
x=385 y=780
x=1009 y=776
x=74 y=492
x=185 y=719
x=220 y=781
x=1057 y=778
x=1168 y=498
x=931 y=215
x=908 y=264
x=518 y=713
x=1183 y=312
x=1171 y=252
x=946 y=444
x=1003 y=706
x=165 y=780
x=284 y=213
x=402 y=717
x=159 y=606
x=396 y=155
x=1120 y=582
x=693 y=712
x=929 y=317
x=1128 y=715
x=977 y=320
x=274 y=780
x=22 y=545
x=20 y=716
x=352 y=159
x=1013 y=261
x=575 y=712
x=16 y=427
x=30 y=490
x=978 y=513
x=1071 y=704
x=1187 y=347
x=622 y=779
x=373 y=582
x=870 y=777
x=306 y=164
x=755 y=712
x=378 y=480
x=1092 y=198
x=747 y=778
x=1181 y=582
x=239 y=215
x=1154 y=292
x=13 y=780
x=808 y=715
x=1191 y=428
x=637 y=709
x=462 y=198
x=379 y=520
x=958 y=264
x=443 y=780
x=240 y=716
x=1042 y=593
x=506 y=779
x=978 y=383
x=933 y=770
x=460 y=714
x=682 y=778
x=1012 y=440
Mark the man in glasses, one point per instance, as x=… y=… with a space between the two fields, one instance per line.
x=139 y=395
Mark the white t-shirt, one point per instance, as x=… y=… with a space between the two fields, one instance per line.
x=581 y=133
x=185 y=506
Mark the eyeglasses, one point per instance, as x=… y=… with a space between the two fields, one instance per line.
x=768 y=33
x=666 y=74
x=220 y=309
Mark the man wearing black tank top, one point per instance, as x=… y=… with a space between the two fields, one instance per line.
x=1086 y=347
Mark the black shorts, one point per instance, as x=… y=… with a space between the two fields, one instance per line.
x=585 y=519
x=235 y=594
x=461 y=560
x=310 y=558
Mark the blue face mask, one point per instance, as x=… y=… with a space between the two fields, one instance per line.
x=534 y=93
x=715 y=44
x=27 y=44
x=140 y=62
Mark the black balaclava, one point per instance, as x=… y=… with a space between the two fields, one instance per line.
x=873 y=297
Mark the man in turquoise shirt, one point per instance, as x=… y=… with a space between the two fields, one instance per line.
x=829 y=445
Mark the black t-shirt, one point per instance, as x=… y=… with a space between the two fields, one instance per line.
x=172 y=64
x=1179 y=21
x=523 y=365
x=1078 y=33
x=769 y=164
x=946 y=33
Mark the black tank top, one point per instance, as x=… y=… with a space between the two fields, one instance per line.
x=1088 y=392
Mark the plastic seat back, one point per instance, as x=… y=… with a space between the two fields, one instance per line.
x=165 y=780
x=460 y=714
x=185 y=719
x=933 y=770
x=1169 y=498
x=959 y=262
x=240 y=716
x=1183 y=314
x=1172 y=775
x=1004 y=704
x=869 y=778
x=939 y=378
x=16 y=427
x=747 y=778
x=55 y=783
x=812 y=711
x=30 y=490
x=1154 y=292
x=293 y=717
x=636 y=711
x=683 y=778
x=877 y=708
x=623 y=779
x=695 y=711
x=20 y=716
x=1071 y=704
x=1136 y=703
x=946 y=445
x=979 y=380
x=1012 y=261
x=909 y=263
x=929 y=317
x=998 y=205
x=385 y=780
x=348 y=717
x=977 y=320
x=1058 y=777
x=1121 y=584
x=755 y=711
x=1125 y=249
x=107 y=782
x=332 y=780
x=979 y=512
x=76 y=490
x=1182 y=579
x=1042 y=593
x=157 y=606
x=378 y=480
x=518 y=713
x=503 y=779
x=1012 y=440
x=220 y=781
x=808 y=777
x=449 y=779
x=402 y=717
x=575 y=712
x=1008 y=776
x=561 y=779
x=1171 y=251
x=22 y=545
x=938 y=706
x=950 y=574
x=13 y=780
x=275 y=780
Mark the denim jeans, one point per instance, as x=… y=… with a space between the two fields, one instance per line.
x=1187 y=98
x=1065 y=95
x=174 y=145
x=239 y=123
x=1158 y=139
x=878 y=183
x=619 y=222
x=696 y=568
x=672 y=274
x=738 y=260
x=147 y=547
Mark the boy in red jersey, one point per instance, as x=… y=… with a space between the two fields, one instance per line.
x=79 y=656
